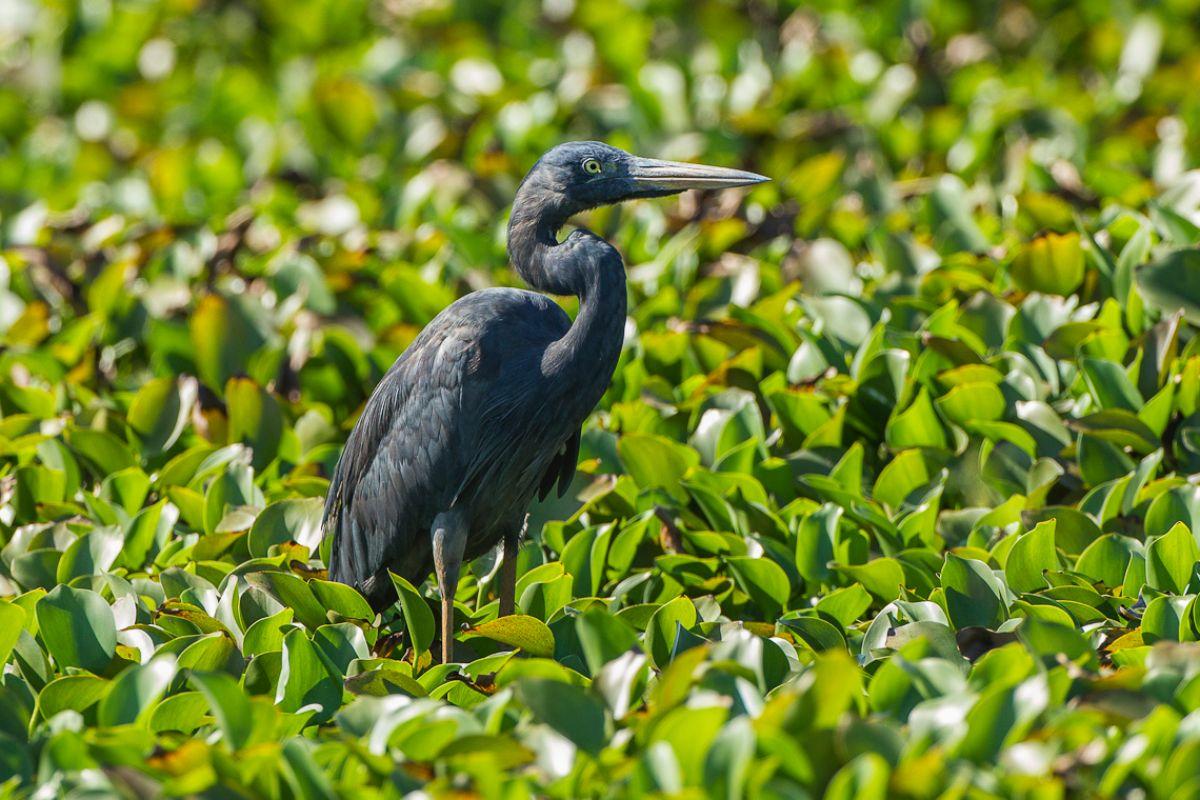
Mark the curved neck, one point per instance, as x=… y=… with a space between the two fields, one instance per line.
x=583 y=265
x=533 y=248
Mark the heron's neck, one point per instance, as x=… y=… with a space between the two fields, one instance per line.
x=583 y=265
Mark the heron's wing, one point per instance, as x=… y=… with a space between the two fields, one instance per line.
x=523 y=443
x=561 y=469
x=400 y=462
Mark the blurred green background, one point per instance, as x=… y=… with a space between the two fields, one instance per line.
x=181 y=112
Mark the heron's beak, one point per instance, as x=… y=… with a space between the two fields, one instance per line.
x=676 y=176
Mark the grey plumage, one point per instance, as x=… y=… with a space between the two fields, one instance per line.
x=483 y=410
x=464 y=407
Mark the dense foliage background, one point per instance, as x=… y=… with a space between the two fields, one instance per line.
x=892 y=494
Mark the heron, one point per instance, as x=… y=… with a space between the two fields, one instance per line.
x=484 y=409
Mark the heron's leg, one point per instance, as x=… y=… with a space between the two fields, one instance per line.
x=508 y=569
x=508 y=576
x=449 y=543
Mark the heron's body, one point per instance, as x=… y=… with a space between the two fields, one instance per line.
x=483 y=410
x=481 y=398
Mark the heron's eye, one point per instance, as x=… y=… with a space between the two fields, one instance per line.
x=591 y=166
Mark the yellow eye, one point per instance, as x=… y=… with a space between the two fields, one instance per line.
x=591 y=166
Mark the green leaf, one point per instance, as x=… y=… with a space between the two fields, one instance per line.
x=266 y=634
x=70 y=692
x=222 y=339
x=105 y=452
x=160 y=411
x=655 y=462
x=815 y=543
x=78 y=628
x=973 y=593
x=916 y=426
x=93 y=553
x=978 y=401
x=864 y=777
x=183 y=712
x=690 y=732
x=418 y=618
x=1171 y=559
x=1173 y=284
x=661 y=630
x=882 y=577
x=341 y=599
x=1118 y=427
x=304 y=680
x=845 y=605
x=571 y=711
x=1051 y=264
x=906 y=472
x=1047 y=640
x=291 y=520
x=229 y=704
x=254 y=419
x=134 y=693
x=603 y=637
x=1109 y=384
x=1031 y=557
x=1106 y=559
x=1165 y=618
x=341 y=644
x=12 y=622
x=815 y=632
x=765 y=582
x=518 y=630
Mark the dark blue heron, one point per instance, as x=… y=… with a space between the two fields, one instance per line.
x=483 y=410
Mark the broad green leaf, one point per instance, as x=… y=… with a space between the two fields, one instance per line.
x=1031 y=557
x=1173 y=283
x=603 y=637
x=916 y=426
x=222 y=339
x=1171 y=560
x=12 y=622
x=906 y=472
x=525 y=632
x=1052 y=264
x=291 y=520
x=765 y=582
x=1106 y=559
x=664 y=623
x=882 y=577
x=133 y=694
x=304 y=680
x=815 y=542
x=973 y=593
x=972 y=402
x=418 y=619
x=254 y=419
x=654 y=461
x=228 y=704
x=78 y=628
x=571 y=711
x=160 y=412
x=1165 y=619
x=71 y=692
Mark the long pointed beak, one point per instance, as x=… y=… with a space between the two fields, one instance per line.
x=677 y=176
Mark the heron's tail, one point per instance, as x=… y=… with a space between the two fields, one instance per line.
x=331 y=523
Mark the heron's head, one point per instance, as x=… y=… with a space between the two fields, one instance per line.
x=580 y=175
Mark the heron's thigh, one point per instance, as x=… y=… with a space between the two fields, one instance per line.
x=515 y=534
x=449 y=534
